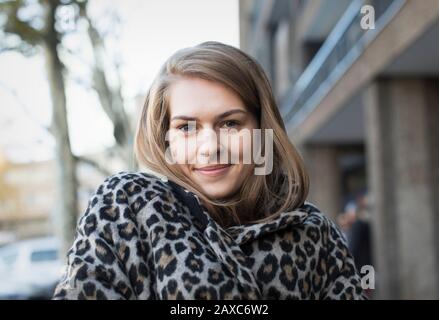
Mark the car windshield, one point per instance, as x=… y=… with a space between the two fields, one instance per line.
x=44 y=255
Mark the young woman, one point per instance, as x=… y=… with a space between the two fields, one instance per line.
x=198 y=225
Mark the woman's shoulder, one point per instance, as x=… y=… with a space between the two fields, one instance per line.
x=130 y=184
x=323 y=238
x=121 y=196
x=319 y=227
x=111 y=235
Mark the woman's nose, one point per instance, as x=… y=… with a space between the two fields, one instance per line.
x=208 y=144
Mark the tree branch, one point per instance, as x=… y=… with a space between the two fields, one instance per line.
x=25 y=108
x=94 y=164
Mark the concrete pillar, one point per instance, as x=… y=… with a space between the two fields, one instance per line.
x=325 y=178
x=401 y=143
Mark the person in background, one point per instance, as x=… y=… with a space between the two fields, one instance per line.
x=359 y=240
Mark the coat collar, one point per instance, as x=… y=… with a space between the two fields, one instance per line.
x=245 y=232
x=248 y=232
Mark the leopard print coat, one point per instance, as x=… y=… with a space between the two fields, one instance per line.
x=145 y=238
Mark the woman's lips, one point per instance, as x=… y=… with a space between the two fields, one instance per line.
x=213 y=170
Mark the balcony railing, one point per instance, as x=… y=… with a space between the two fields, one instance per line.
x=340 y=50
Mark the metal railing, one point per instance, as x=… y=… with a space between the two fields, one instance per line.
x=343 y=46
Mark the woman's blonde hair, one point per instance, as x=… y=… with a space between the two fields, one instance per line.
x=261 y=197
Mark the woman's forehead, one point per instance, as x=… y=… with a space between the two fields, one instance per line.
x=200 y=98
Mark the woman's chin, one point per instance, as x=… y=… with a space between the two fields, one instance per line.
x=217 y=194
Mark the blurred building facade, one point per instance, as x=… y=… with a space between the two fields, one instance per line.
x=27 y=203
x=362 y=105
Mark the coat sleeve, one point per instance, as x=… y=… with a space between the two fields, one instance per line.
x=108 y=258
x=343 y=281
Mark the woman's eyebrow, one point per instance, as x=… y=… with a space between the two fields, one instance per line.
x=228 y=113
x=222 y=115
x=183 y=118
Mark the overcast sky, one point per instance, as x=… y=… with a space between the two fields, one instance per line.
x=151 y=31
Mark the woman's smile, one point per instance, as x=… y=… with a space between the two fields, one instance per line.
x=213 y=170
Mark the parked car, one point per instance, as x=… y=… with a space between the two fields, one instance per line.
x=30 y=269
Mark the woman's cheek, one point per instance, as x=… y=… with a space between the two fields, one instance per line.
x=245 y=146
x=178 y=149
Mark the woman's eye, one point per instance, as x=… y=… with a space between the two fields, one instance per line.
x=186 y=128
x=231 y=123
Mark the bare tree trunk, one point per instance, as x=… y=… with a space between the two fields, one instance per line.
x=111 y=99
x=66 y=197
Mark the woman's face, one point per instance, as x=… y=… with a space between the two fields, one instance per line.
x=199 y=109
